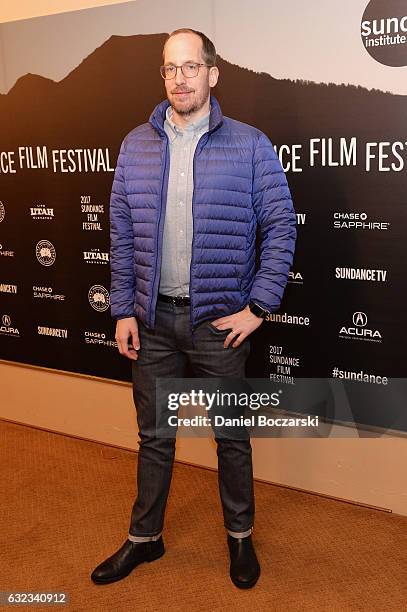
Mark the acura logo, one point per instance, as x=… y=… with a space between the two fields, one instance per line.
x=6 y=320
x=359 y=319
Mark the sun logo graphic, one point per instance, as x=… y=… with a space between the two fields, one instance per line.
x=99 y=298
x=45 y=252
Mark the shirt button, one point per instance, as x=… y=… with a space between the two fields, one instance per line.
x=182 y=173
x=181 y=203
x=181 y=232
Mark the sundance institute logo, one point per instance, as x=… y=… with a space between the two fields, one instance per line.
x=384 y=31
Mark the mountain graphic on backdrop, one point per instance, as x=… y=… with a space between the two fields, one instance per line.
x=116 y=87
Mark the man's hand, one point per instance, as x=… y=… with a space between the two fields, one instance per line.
x=127 y=337
x=243 y=323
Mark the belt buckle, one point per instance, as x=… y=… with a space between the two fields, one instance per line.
x=179 y=300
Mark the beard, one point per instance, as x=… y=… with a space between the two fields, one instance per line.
x=192 y=104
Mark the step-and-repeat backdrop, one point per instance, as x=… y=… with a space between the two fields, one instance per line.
x=343 y=145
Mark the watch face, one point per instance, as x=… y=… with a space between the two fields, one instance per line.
x=257 y=310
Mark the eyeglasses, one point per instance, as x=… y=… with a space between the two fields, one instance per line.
x=189 y=70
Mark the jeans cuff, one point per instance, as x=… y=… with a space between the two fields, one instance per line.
x=240 y=534
x=153 y=538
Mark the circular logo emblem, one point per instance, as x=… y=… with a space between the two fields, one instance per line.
x=6 y=320
x=45 y=252
x=384 y=31
x=359 y=319
x=99 y=298
x=2 y=211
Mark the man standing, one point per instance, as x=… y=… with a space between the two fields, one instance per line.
x=190 y=189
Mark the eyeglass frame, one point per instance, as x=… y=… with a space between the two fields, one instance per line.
x=181 y=66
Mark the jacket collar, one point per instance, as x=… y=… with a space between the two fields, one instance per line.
x=201 y=125
x=158 y=115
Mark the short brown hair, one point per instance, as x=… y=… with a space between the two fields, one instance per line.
x=208 y=48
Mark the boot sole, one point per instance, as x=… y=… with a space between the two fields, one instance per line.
x=121 y=576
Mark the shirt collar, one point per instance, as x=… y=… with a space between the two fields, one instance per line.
x=202 y=124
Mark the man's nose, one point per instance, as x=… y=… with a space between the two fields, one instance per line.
x=179 y=77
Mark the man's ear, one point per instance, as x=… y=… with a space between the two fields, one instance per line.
x=213 y=76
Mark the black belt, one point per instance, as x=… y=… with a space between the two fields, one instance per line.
x=176 y=300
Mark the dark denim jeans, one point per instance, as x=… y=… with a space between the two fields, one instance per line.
x=167 y=352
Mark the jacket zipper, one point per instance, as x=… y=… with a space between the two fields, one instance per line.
x=157 y=271
x=197 y=149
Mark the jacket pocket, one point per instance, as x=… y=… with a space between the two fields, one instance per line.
x=242 y=279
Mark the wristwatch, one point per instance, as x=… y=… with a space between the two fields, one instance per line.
x=258 y=310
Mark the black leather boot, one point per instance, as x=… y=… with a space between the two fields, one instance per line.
x=123 y=561
x=244 y=566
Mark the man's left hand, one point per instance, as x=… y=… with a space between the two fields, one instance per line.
x=242 y=324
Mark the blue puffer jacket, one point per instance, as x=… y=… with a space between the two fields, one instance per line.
x=238 y=184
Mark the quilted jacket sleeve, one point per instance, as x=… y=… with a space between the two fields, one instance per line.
x=122 y=286
x=277 y=222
